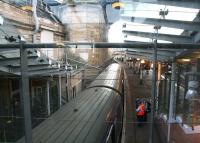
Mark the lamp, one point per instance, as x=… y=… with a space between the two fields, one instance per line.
x=142 y=61
x=117 y=5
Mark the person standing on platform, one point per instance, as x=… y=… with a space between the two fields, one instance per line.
x=140 y=111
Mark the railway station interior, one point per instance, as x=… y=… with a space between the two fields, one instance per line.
x=99 y=71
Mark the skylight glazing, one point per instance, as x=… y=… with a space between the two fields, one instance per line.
x=137 y=9
x=147 y=10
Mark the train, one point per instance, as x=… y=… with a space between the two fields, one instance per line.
x=94 y=116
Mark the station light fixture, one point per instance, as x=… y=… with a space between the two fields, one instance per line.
x=142 y=61
x=183 y=60
x=186 y=60
x=117 y=5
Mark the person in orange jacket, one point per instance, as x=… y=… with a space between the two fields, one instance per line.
x=140 y=112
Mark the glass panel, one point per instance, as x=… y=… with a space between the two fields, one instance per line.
x=38 y=101
x=54 y=97
x=11 y=114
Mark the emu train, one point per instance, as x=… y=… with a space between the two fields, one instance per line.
x=94 y=116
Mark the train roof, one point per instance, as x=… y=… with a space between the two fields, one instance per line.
x=83 y=120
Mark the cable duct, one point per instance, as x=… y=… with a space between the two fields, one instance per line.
x=34 y=6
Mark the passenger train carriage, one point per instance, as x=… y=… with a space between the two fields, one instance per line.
x=94 y=116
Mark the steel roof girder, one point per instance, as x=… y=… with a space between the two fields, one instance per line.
x=15 y=61
x=161 y=46
x=167 y=37
x=186 y=25
x=145 y=58
x=4 y=69
x=43 y=72
x=162 y=53
x=33 y=68
x=150 y=56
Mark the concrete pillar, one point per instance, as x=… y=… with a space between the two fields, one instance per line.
x=172 y=97
x=48 y=98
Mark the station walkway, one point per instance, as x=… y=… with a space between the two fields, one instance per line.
x=133 y=90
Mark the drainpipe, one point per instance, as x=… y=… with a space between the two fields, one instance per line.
x=34 y=9
x=51 y=14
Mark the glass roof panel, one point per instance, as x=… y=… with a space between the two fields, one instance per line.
x=115 y=33
x=147 y=10
x=116 y=29
x=152 y=11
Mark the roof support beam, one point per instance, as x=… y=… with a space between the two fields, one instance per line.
x=4 y=69
x=6 y=50
x=186 y=25
x=146 y=57
x=52 y=73
x=16 y=61
x=139 y=56
x=143 y=53
x=30 y=68
x=43 y=72
x=178 y=3
x=172 y=46
x=150 y=56
x=167 y=37
x=162 y=53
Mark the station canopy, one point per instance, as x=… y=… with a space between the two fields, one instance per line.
x=144 y=21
